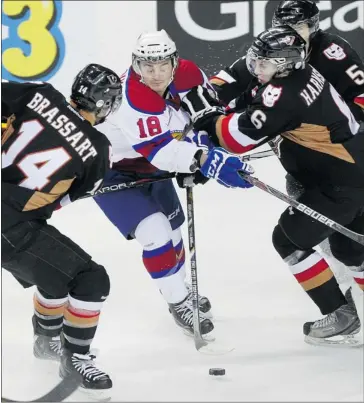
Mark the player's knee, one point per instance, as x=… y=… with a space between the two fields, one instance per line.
x=91 y=285
x=154 y=231
x=293 y=187
x=288 y=251
x=281 y=243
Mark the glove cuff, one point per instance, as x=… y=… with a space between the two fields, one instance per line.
x=196 y=162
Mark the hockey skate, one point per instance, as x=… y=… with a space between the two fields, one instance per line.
x=45 y=347
x=183 y=315
x=203 y=302
x=336 y=328
x=94 y=382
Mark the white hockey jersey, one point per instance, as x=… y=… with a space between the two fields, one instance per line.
x=145 y=131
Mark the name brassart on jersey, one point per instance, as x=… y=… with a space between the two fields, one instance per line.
x=313 y=88
x=65 y=127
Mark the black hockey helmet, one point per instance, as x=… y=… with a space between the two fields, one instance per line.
x=97 y=89
x=281 y=46
x=298 y=12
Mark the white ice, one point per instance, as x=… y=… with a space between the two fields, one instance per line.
x=259 y=309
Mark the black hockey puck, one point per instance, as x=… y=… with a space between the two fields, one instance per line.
x=217 y=371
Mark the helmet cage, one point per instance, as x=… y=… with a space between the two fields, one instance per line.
x=105 y=108
x=286 y=61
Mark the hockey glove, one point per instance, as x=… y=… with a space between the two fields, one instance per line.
x=200 y=138
x=223 y=167
x=187 y=180
x=202 y=108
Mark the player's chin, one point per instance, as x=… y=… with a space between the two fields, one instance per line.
x=158 y=86
x=262 y=79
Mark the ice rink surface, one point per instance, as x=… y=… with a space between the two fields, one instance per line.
x=258 y=307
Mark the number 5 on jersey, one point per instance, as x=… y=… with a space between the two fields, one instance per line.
x=149 y=127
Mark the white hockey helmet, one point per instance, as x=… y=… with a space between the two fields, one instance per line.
x=154 y=47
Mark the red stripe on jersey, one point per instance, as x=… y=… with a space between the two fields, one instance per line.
x=359 y=101
x=313 y=271
x=229 y=140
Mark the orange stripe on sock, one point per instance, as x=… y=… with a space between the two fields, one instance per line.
x=47 y=310
x=318 y=280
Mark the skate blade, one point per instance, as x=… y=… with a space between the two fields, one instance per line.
x=97 y=395
x=351 y=340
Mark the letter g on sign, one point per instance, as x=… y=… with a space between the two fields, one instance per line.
x=239 y=8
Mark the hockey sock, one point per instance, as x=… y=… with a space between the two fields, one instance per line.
x=358 y=275
x=163 y=266
x=79 y=325
x=316 y=278
x=48 y=313
x=181 y=257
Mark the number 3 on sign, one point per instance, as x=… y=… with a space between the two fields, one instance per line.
x=33 y=46
x=149 y=127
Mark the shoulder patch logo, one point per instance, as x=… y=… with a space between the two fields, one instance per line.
x=271 y=95
x=335 y=52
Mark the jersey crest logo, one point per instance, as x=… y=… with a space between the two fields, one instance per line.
x=335 y=52
x=271 y=95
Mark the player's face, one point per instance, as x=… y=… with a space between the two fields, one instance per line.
x=157 y=75
x=263 y=69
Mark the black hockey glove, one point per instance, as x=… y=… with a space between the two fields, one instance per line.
x=196 y=178
x=203 y=108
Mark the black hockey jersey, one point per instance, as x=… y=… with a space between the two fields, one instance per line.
x=49 y=152
x=321 y=138
x=330 y=54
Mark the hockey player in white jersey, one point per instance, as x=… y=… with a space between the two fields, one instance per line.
x=148 y=139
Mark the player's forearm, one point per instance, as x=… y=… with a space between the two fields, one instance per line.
x=177 y=156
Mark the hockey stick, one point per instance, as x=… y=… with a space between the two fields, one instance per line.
x=258 y=155
x=129 y=185
x=355 y=236
x=199 y=341
x=141 y=182
x=201 y=345
x=60 y=392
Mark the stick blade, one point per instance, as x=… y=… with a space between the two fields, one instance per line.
x=215 y=349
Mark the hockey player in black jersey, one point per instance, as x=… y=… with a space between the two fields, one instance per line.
x=328 y=53
x=51 y=155
x=320 y=146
